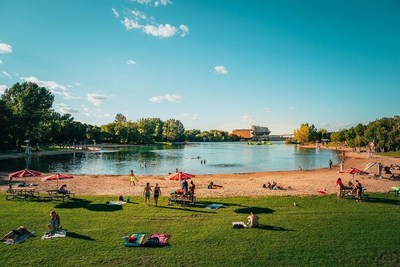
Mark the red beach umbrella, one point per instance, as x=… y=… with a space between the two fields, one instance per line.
x=24 y=173
x=57 y=176
x=353 y=171
x=180 y=176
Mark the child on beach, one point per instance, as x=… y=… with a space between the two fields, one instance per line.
x=132 y=178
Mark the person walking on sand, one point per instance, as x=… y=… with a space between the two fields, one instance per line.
x=147 y=191
x=132 y=178
x=157 y=193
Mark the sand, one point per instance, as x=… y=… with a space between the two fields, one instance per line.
x=300 y=182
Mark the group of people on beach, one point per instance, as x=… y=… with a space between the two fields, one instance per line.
x=355 y=188
x=273 y=186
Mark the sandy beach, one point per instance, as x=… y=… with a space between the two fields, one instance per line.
x=299 y=182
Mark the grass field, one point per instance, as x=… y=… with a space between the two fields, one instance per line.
x=318 y=231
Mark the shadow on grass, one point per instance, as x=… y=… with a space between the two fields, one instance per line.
x=79 y=236
x=73 y=204
x=272 y=228
x=103 y=207
x=86 y=204
x=255 y=210
x=381 y=200
x=206 y=203
x=185 y=208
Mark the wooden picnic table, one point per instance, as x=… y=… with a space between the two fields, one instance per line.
x=182 y=199
x=22 y=192
x=56 y=194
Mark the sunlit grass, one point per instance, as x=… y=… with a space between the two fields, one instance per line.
x=318 y=231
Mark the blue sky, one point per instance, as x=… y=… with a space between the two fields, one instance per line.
x=211 y=64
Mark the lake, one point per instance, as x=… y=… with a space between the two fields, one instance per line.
x=235 y=157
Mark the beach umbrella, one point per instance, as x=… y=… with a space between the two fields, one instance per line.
x=24 y=173
x=180 y=176
x=57 y=176
x=353 y=171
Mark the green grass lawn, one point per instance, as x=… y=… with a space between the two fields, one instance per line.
x=319 y=231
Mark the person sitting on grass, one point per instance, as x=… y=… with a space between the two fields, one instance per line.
x=54 y=224
x=252 y=220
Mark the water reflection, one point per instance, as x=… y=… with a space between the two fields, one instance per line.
x=156 y=159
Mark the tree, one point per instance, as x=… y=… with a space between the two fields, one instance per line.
x=173 y=130
x=29 y=105
x=302 y=134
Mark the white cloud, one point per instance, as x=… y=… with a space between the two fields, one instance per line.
x=130 y=62
x=142 y=2
x=162 y=2
x=248 y=119
x=184 y=29
x=167 y=97
x=138 y=20
x=220 y=70
x=136 y=13
x=64 y=108
x=5 y=48
x=162 y=31
x=131 y=24
x=1 y=62
x=6 y=74
x=47 y=84
x=115 y=12
x=77 y=84
x=267 y=109
x=193 y=117
x=154 y=3
x=67 y=95
x=96 y=99
x=2 y=88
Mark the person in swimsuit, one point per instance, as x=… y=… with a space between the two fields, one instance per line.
x=132 y=177
x=147 y=191
x=157 y=193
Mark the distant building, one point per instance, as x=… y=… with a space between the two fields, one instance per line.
x=243 y=133
x=256 y=133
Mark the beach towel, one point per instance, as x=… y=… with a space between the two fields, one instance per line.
x=60 y=233
x=19 y=240
x=116 y=203
x=239 y=225
x=134 y=240
x=146 y=240
x=214 y=206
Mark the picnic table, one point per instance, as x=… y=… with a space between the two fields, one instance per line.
x=22 y=192
x=56 y=194
x=182 y=199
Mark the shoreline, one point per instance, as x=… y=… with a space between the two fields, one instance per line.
x=295 y=182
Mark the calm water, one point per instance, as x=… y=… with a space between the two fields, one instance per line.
x=220 y=158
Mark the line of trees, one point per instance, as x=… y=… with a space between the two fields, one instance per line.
x=384 y=133
x=27 y=115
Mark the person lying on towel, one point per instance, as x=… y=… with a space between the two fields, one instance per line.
x=252 y=220
x=13 y=235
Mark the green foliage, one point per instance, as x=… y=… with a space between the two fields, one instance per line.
x=385 y=133
x=29 y=105
x=317 y=231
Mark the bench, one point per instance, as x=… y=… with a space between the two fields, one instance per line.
x=183 y=200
